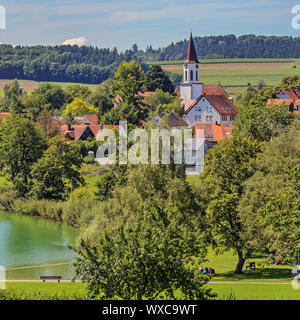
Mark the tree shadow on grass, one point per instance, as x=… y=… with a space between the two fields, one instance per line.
x=267 y=273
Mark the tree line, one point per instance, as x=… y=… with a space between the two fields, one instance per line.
x=94 y=65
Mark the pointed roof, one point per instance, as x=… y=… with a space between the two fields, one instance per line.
x=191 y=55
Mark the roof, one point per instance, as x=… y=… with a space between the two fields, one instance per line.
x=191 y=55
x=3 y=115
x=220 y=102
x=77 y=131
x=174 y=120
x=292 y=104
x=213 y=132
x=292 y=93
x=286 y=102
x=214 y=90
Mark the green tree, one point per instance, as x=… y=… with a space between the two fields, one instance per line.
x=262 y=122
x=109 y=181
x=21 y=145
x=78 y=107
x=123 y=112
x=129 y=81
x=56 y=173
x=143 y=242
x=270 y=206
x=33 y=105
x=53 y=94
x=247 y=96
x=74 y=91
x=156 y=78
x=162 y=101
x=12 y=97
x=227 y=167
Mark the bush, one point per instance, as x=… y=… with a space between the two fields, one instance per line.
x=45 y=209
x=88 y=160
x=79 y=212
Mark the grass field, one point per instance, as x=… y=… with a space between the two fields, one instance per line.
x=239 y=72
x=271 y=283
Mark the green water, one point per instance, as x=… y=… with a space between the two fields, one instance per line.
x=31 y=247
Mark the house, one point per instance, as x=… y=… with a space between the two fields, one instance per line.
x=202 y=103
x=83 y=132
x=173 y=119
x=293 y=105
x=212 y=133
x=290 y=94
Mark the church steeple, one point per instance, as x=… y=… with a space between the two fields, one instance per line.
x=191 y=55
x=191 y=88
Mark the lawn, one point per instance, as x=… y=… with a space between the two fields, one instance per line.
x=44 y=291
x=91 y=175
x=272 y=283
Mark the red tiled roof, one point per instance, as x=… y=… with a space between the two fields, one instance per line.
x=220 y=102
x=191 y=55
x=93 y=118
x=292 y=93
x=286 y=102
x=214 y=90
x=213 y=132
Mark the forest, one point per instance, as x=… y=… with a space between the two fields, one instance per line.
x=93 y=65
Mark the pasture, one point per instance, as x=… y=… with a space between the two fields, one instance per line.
x=239 y=72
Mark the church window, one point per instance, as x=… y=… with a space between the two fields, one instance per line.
x=185 y=76
x=192 y=75
x=197 y=78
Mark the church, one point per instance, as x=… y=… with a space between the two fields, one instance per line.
x=205 y=104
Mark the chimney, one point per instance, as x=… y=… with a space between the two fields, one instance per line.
x=69 y=126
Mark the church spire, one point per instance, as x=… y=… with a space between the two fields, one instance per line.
x=191 y=55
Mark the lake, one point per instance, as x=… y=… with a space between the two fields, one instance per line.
x=31 y=247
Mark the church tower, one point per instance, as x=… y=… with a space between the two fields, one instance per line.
x=191 y=88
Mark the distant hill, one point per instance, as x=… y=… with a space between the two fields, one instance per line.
x=93 y=65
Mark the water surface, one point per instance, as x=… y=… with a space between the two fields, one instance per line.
x=31 y=247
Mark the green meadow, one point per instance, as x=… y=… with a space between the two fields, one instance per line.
x=268 y=283
x=240 y=72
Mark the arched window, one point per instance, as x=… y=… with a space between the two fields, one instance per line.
x=197 y=78
x=185 y=76
x=192 y=75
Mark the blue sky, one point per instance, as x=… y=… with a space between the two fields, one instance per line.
x=120 y=23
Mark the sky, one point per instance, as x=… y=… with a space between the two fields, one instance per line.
x=120 y=23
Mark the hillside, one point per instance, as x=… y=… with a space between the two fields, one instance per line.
x=92 y=65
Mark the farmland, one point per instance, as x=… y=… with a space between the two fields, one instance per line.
x=29 y=85
x=236 y=74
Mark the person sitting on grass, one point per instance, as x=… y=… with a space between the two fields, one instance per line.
x=205 y=271
x=211 y=271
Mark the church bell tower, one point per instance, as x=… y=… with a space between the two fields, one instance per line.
x=191 y=88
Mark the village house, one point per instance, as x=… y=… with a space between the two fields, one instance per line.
x=290 y=99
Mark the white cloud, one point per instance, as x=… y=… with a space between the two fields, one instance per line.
x=77 y=41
